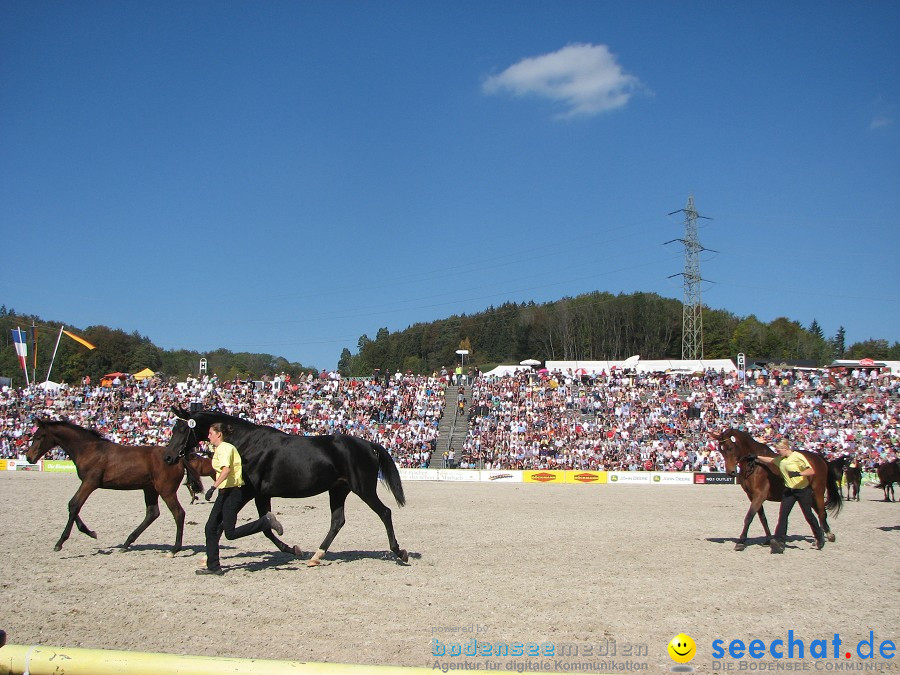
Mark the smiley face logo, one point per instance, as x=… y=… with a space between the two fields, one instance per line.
x=682 y=648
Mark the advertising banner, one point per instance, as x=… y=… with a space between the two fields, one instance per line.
x=57 y=465
x=628 y=477
x=498 y=476
x=458 y=475
x=586 y=477
x=543 y=476
x=713 y=479
x=671 y=478
x=418 y=474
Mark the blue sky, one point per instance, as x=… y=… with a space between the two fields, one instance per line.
x=284 y=177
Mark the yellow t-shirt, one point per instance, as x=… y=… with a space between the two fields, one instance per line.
x=793 y=462
x=227 y=455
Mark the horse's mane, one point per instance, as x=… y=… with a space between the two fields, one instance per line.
x=73 y=426
x=213 y=416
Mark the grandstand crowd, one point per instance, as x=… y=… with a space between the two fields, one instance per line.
x=617 y=420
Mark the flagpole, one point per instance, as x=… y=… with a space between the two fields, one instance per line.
x=34 y=347
x=53 y=358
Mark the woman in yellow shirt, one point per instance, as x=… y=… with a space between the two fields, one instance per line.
x=795 y=471
x=226 y=462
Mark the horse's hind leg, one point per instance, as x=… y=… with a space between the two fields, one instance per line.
x=385 y=514
x=151 y=499
x=84 y=491
x=819 y=504
x=263 y=506
x=174 y=505
x=337 y=496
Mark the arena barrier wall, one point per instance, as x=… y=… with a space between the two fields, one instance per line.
x=568 y=477
x=46 y=660
x=493 y=475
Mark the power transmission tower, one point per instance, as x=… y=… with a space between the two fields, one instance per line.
x=692 y=317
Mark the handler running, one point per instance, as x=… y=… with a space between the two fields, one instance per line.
x=795 y=470
x=226 y=462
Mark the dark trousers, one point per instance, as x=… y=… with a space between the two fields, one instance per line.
x=804 y=497
x=223 y=518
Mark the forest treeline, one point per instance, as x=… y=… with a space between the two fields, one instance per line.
x=598 y=326
x=594 y=326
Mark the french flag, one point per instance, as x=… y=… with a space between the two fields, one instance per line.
x=20 y=338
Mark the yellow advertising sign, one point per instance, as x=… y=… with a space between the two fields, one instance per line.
x=585 y=477
x=3 y=465
x=543 y=476
x=58 y=465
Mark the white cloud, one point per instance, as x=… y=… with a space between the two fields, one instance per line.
x=585 y=78
x=884 y=114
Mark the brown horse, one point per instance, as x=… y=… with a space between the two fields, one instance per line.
x=853 y=479
x=100 y=463
x=888 y=474
x=202 y=466
x=763 y=482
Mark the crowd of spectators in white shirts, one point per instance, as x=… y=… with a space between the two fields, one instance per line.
x=618 y=420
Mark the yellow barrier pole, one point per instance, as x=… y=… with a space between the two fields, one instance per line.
x=46 y=660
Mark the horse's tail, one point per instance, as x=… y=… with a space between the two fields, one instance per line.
x=193 y=481
x=390 y=474
x=835 y=498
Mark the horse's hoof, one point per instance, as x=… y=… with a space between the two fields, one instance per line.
x=169 y=554
x=298 y=551
x=739 y=546
x=403 y=555
x=830 y=536
x=91 y=534
x=312 y=562
x=57 y=548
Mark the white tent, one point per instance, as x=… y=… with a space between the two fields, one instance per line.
x=502 y=371
x=645 y=366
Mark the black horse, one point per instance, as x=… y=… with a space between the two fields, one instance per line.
x=276 y=464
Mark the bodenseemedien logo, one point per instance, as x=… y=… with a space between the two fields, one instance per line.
x=682 y=649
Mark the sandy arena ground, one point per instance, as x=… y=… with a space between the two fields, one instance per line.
x=574 y=564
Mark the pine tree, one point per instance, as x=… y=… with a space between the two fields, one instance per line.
x=816 y=329
x=837 y=343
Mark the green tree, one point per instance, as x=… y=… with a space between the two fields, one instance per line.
x=837 y=343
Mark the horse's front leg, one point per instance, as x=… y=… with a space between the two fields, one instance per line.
x=755 y=507
x=151 y=499
x=263 y=506
x=82 y=527
x=84 y=491
x=742 y=539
